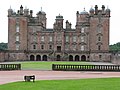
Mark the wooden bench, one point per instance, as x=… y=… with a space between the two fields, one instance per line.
x=29 y=78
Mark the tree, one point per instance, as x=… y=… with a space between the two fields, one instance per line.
x=3 y=46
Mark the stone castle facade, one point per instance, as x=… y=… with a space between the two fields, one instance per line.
x=29 y=39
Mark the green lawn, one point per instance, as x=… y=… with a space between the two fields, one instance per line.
x=45 y=65
x=81 y=84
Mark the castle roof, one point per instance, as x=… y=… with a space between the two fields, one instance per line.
x=59 y=17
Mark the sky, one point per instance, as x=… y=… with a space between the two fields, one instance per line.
x=66 y=8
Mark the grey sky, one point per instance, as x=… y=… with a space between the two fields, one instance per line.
x=67 y=8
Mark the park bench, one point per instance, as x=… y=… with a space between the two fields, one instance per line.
x=29 y=78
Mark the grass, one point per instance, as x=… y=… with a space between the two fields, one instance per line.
x=45 y=65
x=81 y=84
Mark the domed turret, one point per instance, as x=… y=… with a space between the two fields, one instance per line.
x=84 y=12
x=41 y=12
x=10 y=11
x=107 y=12
x=91 y=11
x=59 y=17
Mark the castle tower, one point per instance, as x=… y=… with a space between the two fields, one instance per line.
x=99 y=29
x=58 y=25
x=41 y=15
x=17 y=30
x=59 y=33
x=82 y=27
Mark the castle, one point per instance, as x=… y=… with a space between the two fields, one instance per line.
x=29 y=39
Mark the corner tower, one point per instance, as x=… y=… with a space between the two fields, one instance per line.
x=99 y=29
x=17 y=29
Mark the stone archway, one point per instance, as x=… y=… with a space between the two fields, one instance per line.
x=32 y=58
x=38 y=58
x=83 y=58
x=58 y=58
x=70 y=58
x=44 y=58
x=77 y=58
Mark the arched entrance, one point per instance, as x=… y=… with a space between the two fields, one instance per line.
x=32 y=58
x=83 y=58
x=76 y=58
x=38 y=58
x=44 y=58
x=58 y=57
x=70 y=58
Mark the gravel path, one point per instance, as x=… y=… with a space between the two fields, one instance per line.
x=13 y=76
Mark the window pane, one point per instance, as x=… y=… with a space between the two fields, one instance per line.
x=82 y=30
x=42 y=38
x=17 y=28
x=82 y=39
x=67 y=39
x=82 y=48
x=17 y=38
x=50 y=46
x=74 y=38
x=50 y=39
x=17 y=46
x=34 y=46
x=42 y=46
x=34 y=38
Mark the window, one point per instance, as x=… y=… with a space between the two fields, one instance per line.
x=82 y=30
x=74 y=47
x=34 y=38
x=67 y=47
x=42 y=46
x=17 y=46
x=74 y=39
x=99 y=47
x=17 y=28
x=100 y=57
x=82 y=39
x=67 y=39
x=17 y=38
x=34 y=46
x=99 y=38
x=82 y=48
x=50 y=46
x=50 y=38
x=42 y=38
x=99 y=29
